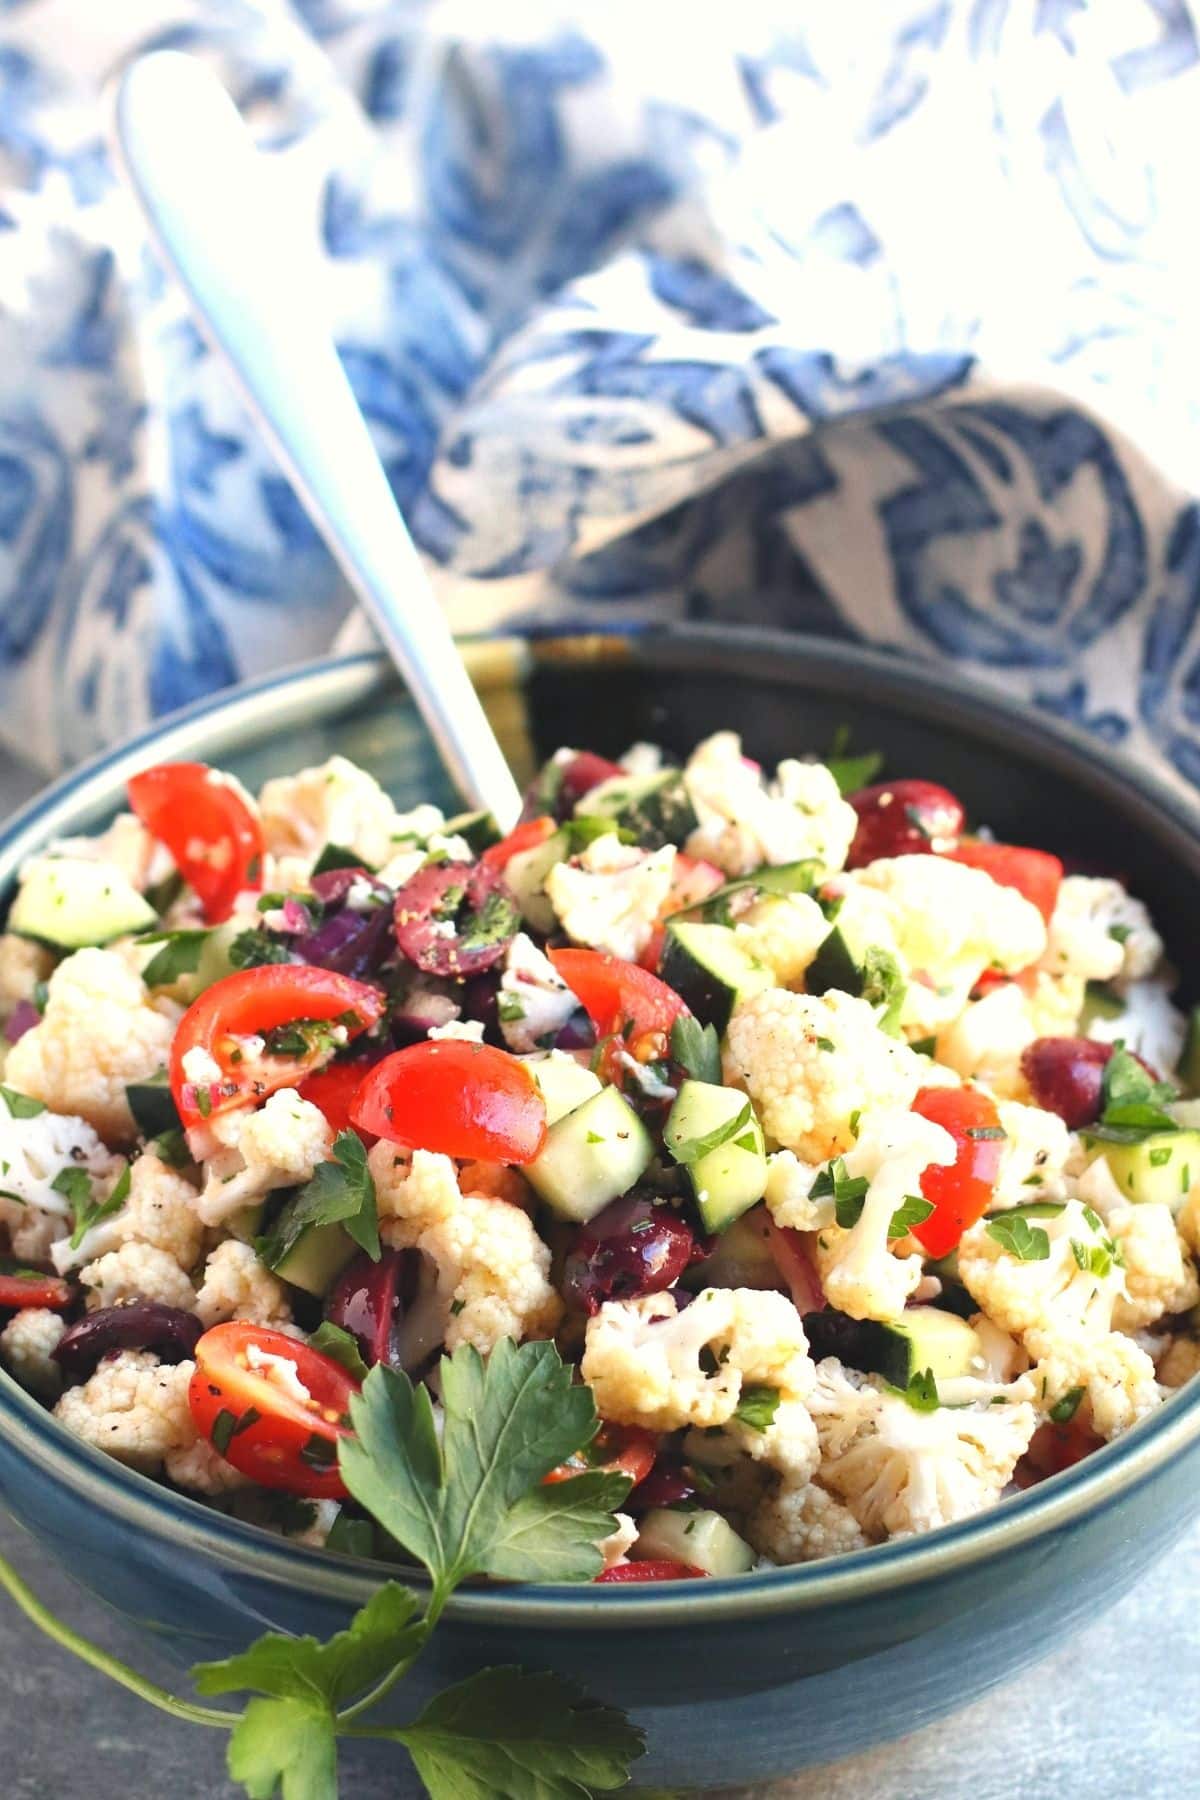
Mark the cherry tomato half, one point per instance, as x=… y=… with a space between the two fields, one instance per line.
x=333 y=1088
x=692 y=881
x=653 y=1569
x=959 y=1191
x=29 y=1287
x=619 y=998
x=903 y=818
x=256 y=1419
x=208 y=825
x=466 y=1100
x=1034 y=873
x=249 y=1004
x=526 y=836
x=615 y=1450
x=1053 y=1448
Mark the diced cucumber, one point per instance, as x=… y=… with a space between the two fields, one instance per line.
x=869 y=973
x=657 y=808
x=741 y=1257
x=313 y=1260
x=1189 y=1061
x=954 y=1297
x=1186 y=1112
x=724 y=906
x=835 y=965
x=701 y=1538
x=1099 y=1002
x=713 y=1132
x=478 y=828
x=525 y=877
x=710 y=971
x=214 y=964
x=923 y=1337
x=563 y=1083
x=1162 y=1168
x=152 y=1106
x=592 y=1156
x=1031 y=1209
x=70 y=902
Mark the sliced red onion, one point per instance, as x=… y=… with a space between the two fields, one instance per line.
x=23 y=1018
x=347 y=941
x=296 y=916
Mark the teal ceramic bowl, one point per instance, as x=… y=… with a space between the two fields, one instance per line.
x=735 y=1680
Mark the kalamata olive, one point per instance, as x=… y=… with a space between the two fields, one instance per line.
x=631 y=1248
x=368 y=1298
x=1067 y=1077
x=455 y=919
x=169 y=1332
x=667 y=1484
x=903 y=818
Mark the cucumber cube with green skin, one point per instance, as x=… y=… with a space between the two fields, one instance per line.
x=1099 y=1002
x=593 y=1155
x=713 y=1132
x=773 y=880
x=1189 y=1062
x=72 y=903
x=525 y=878
x=697 y=1536
x=1163 y=1168
x=478 y=828
x=152 y=1105
x=315 y=1259
x=922 y=1338
x=562 y=1082
x=710 y=971
x=656 y=809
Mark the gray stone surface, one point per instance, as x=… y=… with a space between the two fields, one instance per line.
x=1113 y=1716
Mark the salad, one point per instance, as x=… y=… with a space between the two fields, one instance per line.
x=839 y=1148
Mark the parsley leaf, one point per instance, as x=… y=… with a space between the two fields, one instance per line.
x=473 y=1503
x=913 y=1210
x=696 y=1048
x=79 y=1192
x=921 y=1393
x=341 y=1192
x=20 y=1106
x=255 y=949
x=337 y=856
x=848 y=1192
x=342 y=1346
x=507 y=1735
x=171 y=1147
x=1132 y=1102
x=690 y=1150
x=757 y=1406
x=1064 y=1410
x=883 y=986
x=179 y=956
x=284 y=1742
x=854 y=772
x=386 y=1631
x=1028 y=1243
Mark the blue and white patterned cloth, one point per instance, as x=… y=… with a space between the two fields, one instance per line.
x=822 y=316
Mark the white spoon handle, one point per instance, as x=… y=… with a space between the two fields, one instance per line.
x=208 y=202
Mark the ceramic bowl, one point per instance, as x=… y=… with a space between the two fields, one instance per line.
x=735 y=1680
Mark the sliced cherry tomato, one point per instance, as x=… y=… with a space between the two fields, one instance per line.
x=959 y=1191
x=653 y=1569
x=1053 y=1448
x=692 y=881
x=467 y=1100
x=29 y=1287
x=526 y=836
x=615 y=1450
x=333 y=1088
x=620 y=999
x=254 y=1416
x=250 y=1004
x=1034 y=873
x=208 y=825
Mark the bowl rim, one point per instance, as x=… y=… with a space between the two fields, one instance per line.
x=220 y=721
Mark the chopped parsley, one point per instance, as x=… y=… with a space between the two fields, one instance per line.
x=1016 y=1236
x=913 y=1211
x=757 y=1406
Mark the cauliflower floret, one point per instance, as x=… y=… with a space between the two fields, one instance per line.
x=159 y=1210
x=945 y=923
x=236 y=1285
x=784 y=933
x=615 y=1548
x=1072 y=1286
x=803 y=1524
x=1037 y=1147
x=133 y=1407
x=99 y=1032
x=534 y=1002
x=789 y=1194
x=1116 y=1376
x=842 y=1404
x=338 y=803
x=1160 y=1277
x=909 y=1471
x=984 y=1043
x=860 y=1273
x=743 y=822
x=643 y=1358
x=1148 y=1023
x=203 y=1470
x=610 y=895
x=1100 y=932
x=1179 y=1364
x=491 y=1268
x=27 y=1344
x=811 y=1062
x=23 y=964
x=34 y=1153
x=137 y=1272
x=279 y=1145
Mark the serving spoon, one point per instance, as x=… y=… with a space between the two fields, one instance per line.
x=202 y=186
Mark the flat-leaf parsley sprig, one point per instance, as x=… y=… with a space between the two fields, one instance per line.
x=468 y=1502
